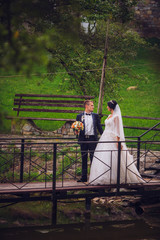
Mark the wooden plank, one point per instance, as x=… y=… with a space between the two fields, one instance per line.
x=134 y=117
x=46 y=110
x=6 y=188
x=56 y=96
x=48 y=101
x=50 y=105
x=49 y=119
x=139 y=128
x=142 y=128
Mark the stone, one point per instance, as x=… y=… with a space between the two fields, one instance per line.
x=96 y=200
x=102 y=200
x=60 y=135
x=49 y=133
x=64 y=131
x=27 y=133
x=66 y=136
x=59 y=130
x=68 y=125
x=36 y=133
x=71 y=134
x=147 y=13
x=16 y=126
x=137 y=12
x=27 y=127
x=56 y=135
x=132 y=88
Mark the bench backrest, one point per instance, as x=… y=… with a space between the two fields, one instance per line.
x=26 y=102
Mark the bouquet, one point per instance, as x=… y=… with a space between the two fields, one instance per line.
x=77 y=126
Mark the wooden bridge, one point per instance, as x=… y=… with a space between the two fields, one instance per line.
x=32 y=166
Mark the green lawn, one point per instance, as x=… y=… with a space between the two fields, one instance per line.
x=33 y=85
x=144 y=101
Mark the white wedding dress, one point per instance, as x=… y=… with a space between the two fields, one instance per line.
x=104 y=164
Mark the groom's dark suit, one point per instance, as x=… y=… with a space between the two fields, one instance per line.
x=85 y=147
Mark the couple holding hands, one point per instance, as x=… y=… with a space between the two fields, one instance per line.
x=104 y=154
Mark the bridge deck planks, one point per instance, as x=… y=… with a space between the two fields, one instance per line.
x=9 y=188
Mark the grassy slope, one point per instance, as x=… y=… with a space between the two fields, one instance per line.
x=140 y=102
x=34 y=84
x=144 y=101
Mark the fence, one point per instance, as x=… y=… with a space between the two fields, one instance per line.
x=29 y=166
x=141 y=118
x=28 y=161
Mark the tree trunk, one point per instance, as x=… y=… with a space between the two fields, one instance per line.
x=101 y=92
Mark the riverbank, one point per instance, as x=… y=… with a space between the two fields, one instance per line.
x=111 y=218
x=103 y=209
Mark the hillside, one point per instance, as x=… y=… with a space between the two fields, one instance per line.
x=140 y=102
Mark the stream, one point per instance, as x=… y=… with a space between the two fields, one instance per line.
x=134 y=230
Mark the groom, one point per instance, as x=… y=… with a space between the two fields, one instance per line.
x=91 y=122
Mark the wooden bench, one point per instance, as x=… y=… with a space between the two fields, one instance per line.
x=48 y=104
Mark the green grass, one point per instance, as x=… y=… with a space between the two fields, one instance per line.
x=145 y=100
x=141 y=102
x=33 y=85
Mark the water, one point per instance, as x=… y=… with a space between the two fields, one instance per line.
x=130 y=230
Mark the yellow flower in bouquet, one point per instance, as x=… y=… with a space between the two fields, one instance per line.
x=77 y=126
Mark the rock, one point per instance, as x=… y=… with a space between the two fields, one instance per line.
x=125 y=203
x=96 y=200
x=132 y=88
x=71 y=134
x=68 y=125
x=28 y=127
x=64 y=131
x=66 y=136
x=27 y=133
x=59 y=130
x=71 y=130
x=102 y=200
x=36 y=133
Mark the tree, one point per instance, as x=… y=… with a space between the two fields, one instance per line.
x=24 y=26
x=52 y=35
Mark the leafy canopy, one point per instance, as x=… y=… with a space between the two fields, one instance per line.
x=51 y=33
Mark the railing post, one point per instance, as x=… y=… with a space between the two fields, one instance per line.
x=22 y=160
x=118 y=166
x=138 y=152
x=54 y=199
x=88 y=212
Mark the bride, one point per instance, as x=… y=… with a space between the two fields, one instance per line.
x=104 y=165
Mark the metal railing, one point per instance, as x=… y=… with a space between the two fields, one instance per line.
x=52 y=164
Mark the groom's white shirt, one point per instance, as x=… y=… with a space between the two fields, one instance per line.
x=89 y=128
